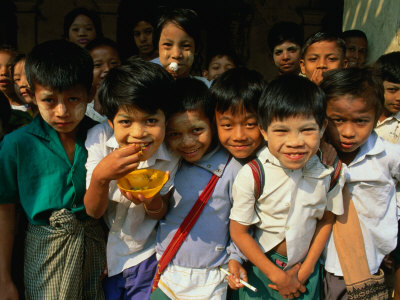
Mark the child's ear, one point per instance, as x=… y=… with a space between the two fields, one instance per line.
x=345 y=63
x=302 y=67
x=264 y=133
x=322 y=130
x=204 y=73
x=110 y=123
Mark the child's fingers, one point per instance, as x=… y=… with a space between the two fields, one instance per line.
x=273 y=286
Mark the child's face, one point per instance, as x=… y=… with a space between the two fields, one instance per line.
x=218 y=65
x=143 y=35
x=104 y=59
x=392 y=97
x=239 y=132
x=176 y=45
x=5 y=71
x=321 y=57
x=294 y=140
x=351 y=121
x=62 y=110
x=356 y=51
x=19 y=78
x=134 y=126
x=189 y=134
x=287 y=57
x=82 y=31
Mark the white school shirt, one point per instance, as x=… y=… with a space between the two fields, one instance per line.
x=291 y=203
x=372 y=177
x=389 y=128
x=132 y=235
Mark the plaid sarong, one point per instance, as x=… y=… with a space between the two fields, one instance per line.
x=64 y=260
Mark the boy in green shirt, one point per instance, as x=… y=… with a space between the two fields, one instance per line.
x=42 y=168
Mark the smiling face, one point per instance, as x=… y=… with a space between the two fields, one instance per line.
x=392 y=99
x=239 y=132
x=104 y=59
x=21 y=82
x=321 y=57
x=5 y=72
x=189 y=134
x=356 y=51
x=62 y=110
x=82 y=31
x=287 y=57
x=176 y=45
x=143 y=36
x=294 y=140
x=134 y=126
x=218 y=65
x=351 y=121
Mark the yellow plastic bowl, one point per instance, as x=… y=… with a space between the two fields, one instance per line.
x=147 y=182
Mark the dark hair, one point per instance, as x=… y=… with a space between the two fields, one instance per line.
x=17 y=59
x=353 y=33
x=289 y=96
x=185 y=18
x=285 y=31
x=60 y=65
x=193 y=94
x=321 y=37
x=10 y=49
x=221 y=51
x=139 y=84
x=388 y=65
x=103 y=41
x=236 y=89
x=91 y=14
x=5 y=112
x=357 y=82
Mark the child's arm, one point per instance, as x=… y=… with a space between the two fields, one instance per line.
x=286 y=282
x=115 y=165
x=321 y=236
x=7 y=231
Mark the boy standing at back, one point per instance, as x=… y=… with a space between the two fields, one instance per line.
x=42 y=167
x=322 y=52
x=294 y=209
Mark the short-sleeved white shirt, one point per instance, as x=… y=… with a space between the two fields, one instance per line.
x=132 y=233
x=389 y=129
x=291 y=203
x=372 y=177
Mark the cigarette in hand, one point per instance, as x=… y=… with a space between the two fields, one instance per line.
x=241 y=281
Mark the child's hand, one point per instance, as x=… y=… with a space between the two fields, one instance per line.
x=287 y=283
x=118 y=163
x=237 y=273
x=328 y=153
x=316 y=76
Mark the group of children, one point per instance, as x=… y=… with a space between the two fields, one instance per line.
x=249 y=190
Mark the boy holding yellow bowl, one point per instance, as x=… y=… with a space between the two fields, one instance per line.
x=135 y=98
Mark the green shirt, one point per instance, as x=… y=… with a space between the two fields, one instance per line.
x=35 y=171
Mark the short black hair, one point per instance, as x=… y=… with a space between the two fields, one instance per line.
x=354 y=33
x=91 y=14
x=388 y=65
x=60 y=65
x=185 y=18
x=285 y=31
x=236 y=89
x=289 y=96
x=321 y=37
x=102 y=41
x=192 y=94
x=139 y=84
x=17 y=59
x=5 y=113
x=10 y=49
x=357 y=82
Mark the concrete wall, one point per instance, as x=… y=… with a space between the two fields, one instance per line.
x=379 y=19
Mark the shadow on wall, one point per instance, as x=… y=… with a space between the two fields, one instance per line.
x=379 y=19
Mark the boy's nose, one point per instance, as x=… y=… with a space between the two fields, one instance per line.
x=138 y=131
x=238 y=134
x=347 y=130
x=187 y=141
x=294 y=140
x=322 y=64
x=176 y=52
x=61 y=109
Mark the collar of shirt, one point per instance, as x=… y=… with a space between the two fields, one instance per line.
x=161 y=153
x=372 y=146
x=212 y=161
x=395 y=116
x=313 y=168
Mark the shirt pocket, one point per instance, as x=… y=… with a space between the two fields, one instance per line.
x=373 y=198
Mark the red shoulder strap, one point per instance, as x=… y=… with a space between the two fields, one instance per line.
x=258 y=175
x=185 y=228
x=336 y=173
